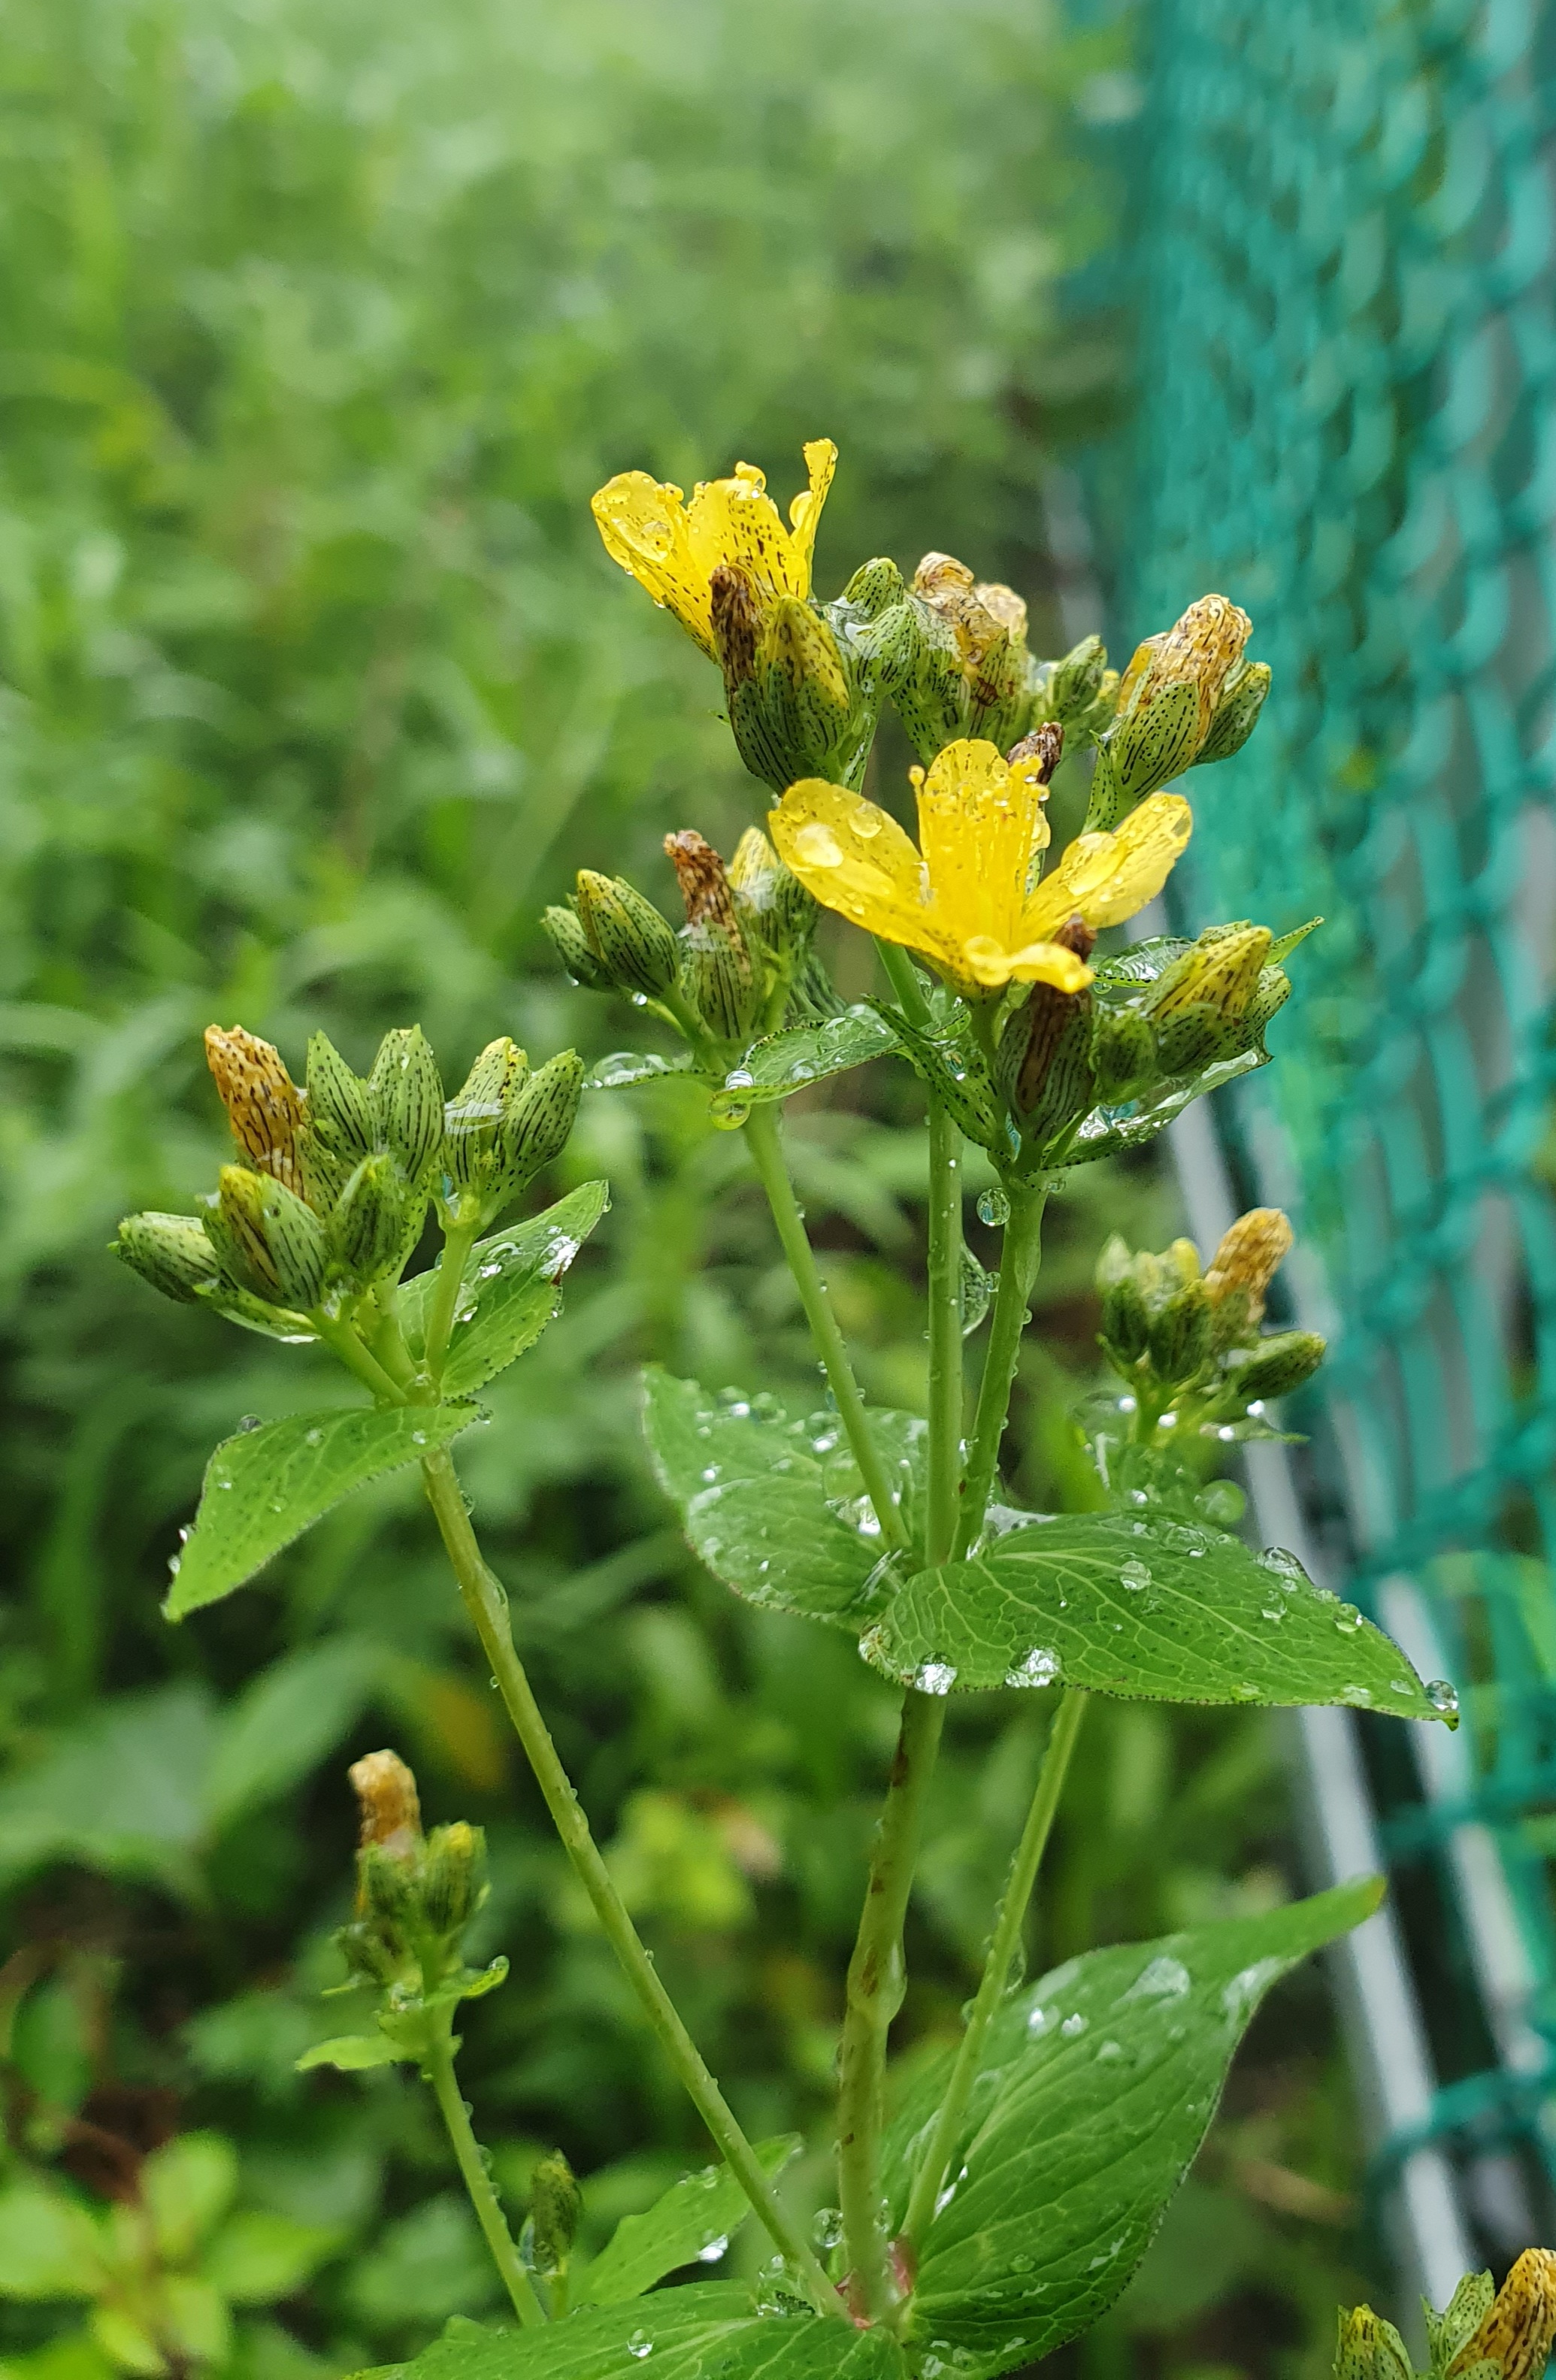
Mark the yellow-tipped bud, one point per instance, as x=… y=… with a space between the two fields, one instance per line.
x=269 y=1243
x=1518 y=2333
x=265 y=1106
x=633 y=946
x=173 y=1251
x=387 y=1799
x=1250 y=1255
x=718 y=968
x=1370 y=2349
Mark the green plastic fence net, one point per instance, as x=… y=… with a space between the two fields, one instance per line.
x=1348 y=425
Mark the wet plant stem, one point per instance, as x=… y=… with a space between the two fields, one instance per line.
x=448 y=1282
x=767 y=1156
x=438 y=2068
x=1020 y=1256
x=486 y=1604
x=931 y=2177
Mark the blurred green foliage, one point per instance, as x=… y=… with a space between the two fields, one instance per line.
x=321 y=323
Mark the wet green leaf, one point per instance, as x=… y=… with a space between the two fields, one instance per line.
x=693 y=2221
x=785 y=1063
x=510 y=1290
x=1143 y=1606
x=710 y=2332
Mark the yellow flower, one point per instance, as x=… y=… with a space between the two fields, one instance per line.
x=970 y=900
x=674 y=548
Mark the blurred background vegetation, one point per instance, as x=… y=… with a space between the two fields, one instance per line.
x=321 y=323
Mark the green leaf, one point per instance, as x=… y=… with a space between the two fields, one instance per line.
x=624 y=1067
x=1153 y=1609
x=352 y=2052
x=708 y=2332
x=782 y=1064
x=1098 y=2087
x=771 y=1504
x=265 y=1487
x=509 y=1290
x=259 y=2256
x=48 y=2244
x=690 y=2224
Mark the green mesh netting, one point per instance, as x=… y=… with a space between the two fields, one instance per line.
x=1347 y=424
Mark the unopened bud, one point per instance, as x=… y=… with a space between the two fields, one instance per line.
x=1126 y=1331
x=388 y=1801
x=1277 y=1365
x=1179 y=1335
x=540 y=1117
x=406 y=1094
x=875 y=587
x=1166 y=702
x=173 y=1251
x=1076 y=680
x=1370 y=2349
x=1236 y=713
x=1046 y=746
x=269 y=1243
x=1198 y=1007
x=339 y=1111
x=453 y=1877
x=1518 y=2333
x=565 y=933
x=1043 y=1062
x=769 y=898
x=1123 y=1055
x=555 y=2205
x=371 y=1217
x=719 y=971
x=265 y=1106
x=474 y=1118
x=1251 y=1253
x=635 y=946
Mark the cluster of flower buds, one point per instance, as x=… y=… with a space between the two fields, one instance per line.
x=743 y=959
x=332 y=1191
x=951 y=651
x=1187 y=697
x=416 y=1893
x=1180 y=1337
x=1486 y=2333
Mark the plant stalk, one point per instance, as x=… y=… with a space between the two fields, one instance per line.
x=459 y=1239
x=767 y=1157
x=438 y=2068
x=487 y=1605
x=945 y=1333
x=876 y=1978
x=931 y=2177
x=1020 y=1256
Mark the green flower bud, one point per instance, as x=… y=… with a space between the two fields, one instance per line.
x=718 y=969
x=797 y=704
x=173 y=1251
x=1167 y=700
x=875 y=587
x=1126 y=1331
x=372 y=1219
x=1076 y=680
x=771 y=902
x=1043 y=1064
x=1370 y=2349
x=571 y=945
x=406 y=1094
x=1179 y=1334
x=453 y=1879
x=269 y=1243
x=475 y=1117
x=635 y=947
x=1124 y=1059
x=1236 y=713
x=555 y=2205
x=1276 y=1365
x=339 y=1111
x=1199 y=1005
x=540 y=1118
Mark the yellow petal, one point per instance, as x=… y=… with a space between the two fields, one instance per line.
x=820 y=461
x=643 y=523
x=1050 y=963
x=853 y=859
x=979 y=824
x=736 y=520
x=1105 y=878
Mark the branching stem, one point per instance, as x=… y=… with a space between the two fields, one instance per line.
x=487 y=1606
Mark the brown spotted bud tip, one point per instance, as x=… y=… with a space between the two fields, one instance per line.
x=1201 y=649
x=385 y=1790
x=705 y=887
x=737 y=618
x=1520 y=2330
x=265 y=1106
x=976 y=612
x=1045 y=746
x=1248 y=1257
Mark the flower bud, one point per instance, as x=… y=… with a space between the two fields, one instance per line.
x=1167 y=700
x=1519 y=2331
x=173 y=1251
x=269 y=1243
x=568 y=940
x=1198 y=1007
x=555 y=2205
x=1251 y=1253
x=1370 y=2349
x=453 y=1877
x=1126 y=1331
x=339 y=1111
x=265 y=1106
x=635 y=948
x=387 y=1799
x=371 y=1220
x=718 y=969
x=1179 y=1334
x=797 y=705
x=1043 y=1064
x=405 y=1095
x=1236 y=713
x=474 y=1118
x=1276 y=1365
x=1077 y=679
x=875 y=587
x=771 y=902
x=540 y=1118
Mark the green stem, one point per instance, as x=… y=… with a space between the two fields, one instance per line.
x=945 y=1333
x=903 y=980
x=448 y=1282
x=343 y=1340
x=487 y=1606
x=952 y=2110
x=767 y=1157
x=438 y=2067
x=1020 y=1255
x=876 y=1982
